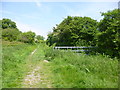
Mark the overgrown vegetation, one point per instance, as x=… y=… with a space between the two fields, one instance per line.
x=10 y=32
x=77 y=70
x=67 y=69
x=74 y=31
x=108 y=39
x=13 y=61
x=84 y=31
x=64 y=70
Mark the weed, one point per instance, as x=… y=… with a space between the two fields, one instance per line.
x=73 y=70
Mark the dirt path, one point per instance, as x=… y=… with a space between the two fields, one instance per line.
x=32 y=78
x=36 y=78
x=33 y=52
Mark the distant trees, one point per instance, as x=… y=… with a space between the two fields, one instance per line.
x=39 y=38
x=27 y=37
x=11 y=32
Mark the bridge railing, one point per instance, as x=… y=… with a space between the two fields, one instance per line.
x=75 y=49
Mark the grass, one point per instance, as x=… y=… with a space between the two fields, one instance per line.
x=64 y=70
x=37 y=60
x=73 y=70
x=13 y=61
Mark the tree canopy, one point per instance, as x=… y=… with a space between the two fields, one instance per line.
x=7 y=23
x=109 y=36
x=73 y=31
x=27 y=37
x=9 y=31
x=84 y=31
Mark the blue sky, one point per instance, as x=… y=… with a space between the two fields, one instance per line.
x=41 y=17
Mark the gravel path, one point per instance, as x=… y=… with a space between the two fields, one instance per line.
x=35 y=78
x=32 y=78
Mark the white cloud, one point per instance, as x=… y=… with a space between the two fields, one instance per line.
x=38 y=3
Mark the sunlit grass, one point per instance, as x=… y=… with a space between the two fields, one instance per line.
x=73 y=70
x=13 y=60
x=64 y=70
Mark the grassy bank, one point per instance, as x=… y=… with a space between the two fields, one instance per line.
x=14 y=58
x=64 y=69
x=73 y=70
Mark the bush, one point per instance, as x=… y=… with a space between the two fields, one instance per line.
x=27 y=37
x=10 y=34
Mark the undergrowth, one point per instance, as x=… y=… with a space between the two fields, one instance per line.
x=77 y=70
x=14 y=57
x=64 y=70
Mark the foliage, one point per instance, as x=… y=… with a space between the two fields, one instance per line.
x=39 y=38
x=10 y=34
x=75 y=70
x=84 y=31
x=14 y=56
x=108 y=40
x=27 y=37
x=72 y=31
x=64 y=69
x=9 y=31
x=7 y=23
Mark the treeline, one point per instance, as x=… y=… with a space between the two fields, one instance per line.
x=85 y=31
x=10 y=32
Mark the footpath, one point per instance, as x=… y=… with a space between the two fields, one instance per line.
x=38 y=75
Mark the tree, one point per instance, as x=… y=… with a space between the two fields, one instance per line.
x=51 y=39
x=10 y=34
x=109 y=36
x=7 y=23
x=27 y=37
x=74 y=30
x=39 y=39
x=9 y=30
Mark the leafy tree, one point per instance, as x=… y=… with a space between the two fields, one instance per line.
x=10 y=34
x=109 y=36
x=52 y=38
x=7 y=23
x=9 y=30
x=39 y=39
x=27 y=37
x=74 y=30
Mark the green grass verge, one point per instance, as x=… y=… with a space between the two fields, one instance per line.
x=64 y=70
x=73 y=70
x=14 y=58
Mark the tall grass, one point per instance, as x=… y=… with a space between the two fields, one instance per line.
x=14 y=57
x=67 y=69
x=75 y=70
